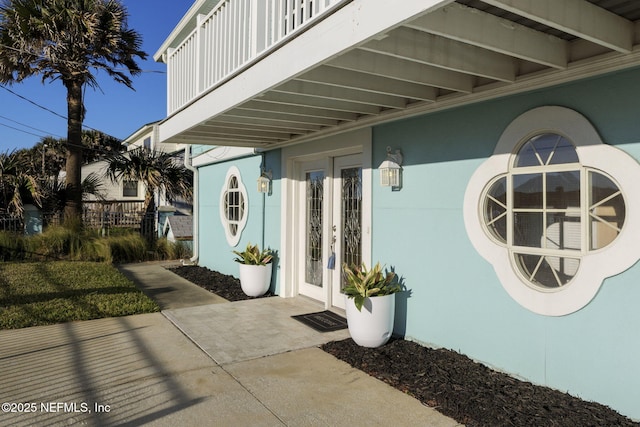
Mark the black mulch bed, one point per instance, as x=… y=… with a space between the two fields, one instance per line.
x=470 y=392
x=456 y=386
x=228 y=287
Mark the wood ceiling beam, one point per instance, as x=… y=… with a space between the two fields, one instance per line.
x=249 y=126
x=281 y=117
x=299 y=110
x=223 y=141
x=229 y=131
x=281 y=123
x=477 y=28
x=283 y=98
x=376 y=64
x=577 y=17
x=325 y=91
x=376 y=84
x=430 y=49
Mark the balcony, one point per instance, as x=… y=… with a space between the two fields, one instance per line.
x=268 y=73
x=230 y=37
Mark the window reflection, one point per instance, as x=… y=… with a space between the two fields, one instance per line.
x=543 y=220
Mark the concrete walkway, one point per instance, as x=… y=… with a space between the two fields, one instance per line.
x=167 y=289
x=259 y=367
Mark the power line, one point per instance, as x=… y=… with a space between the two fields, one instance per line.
x=20 y=130
x=27 y=126
x=32 y=102
x=98 y=149
x=97 y=66
x=51 y=111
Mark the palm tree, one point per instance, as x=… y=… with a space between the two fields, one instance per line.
x=158 y=171
x=54 y=195
x=98 y=145
x=64 y=40
x=16 y=184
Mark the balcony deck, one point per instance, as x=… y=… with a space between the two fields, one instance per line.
x=270 y=73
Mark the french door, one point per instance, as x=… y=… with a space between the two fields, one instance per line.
x=330 y=227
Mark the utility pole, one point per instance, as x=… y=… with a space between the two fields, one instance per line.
x=44 y=149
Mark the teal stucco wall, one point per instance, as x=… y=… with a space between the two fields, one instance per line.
x=263 y=223
x=455 y=299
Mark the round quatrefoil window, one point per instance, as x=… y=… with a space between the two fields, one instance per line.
x=233 y=206
x=549 y=212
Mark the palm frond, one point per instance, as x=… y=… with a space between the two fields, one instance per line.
x=93 y=185
x=15 y=183
x=156 y=169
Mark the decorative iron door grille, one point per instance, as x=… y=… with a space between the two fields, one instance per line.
x=351 y=179
x=314 y=224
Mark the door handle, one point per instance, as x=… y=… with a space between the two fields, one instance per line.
x=331 y=264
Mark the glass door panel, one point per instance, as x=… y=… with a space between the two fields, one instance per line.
x=351 y=217
x=314 y=222
x=329 y=225
x=312 y=229
x=347 y=219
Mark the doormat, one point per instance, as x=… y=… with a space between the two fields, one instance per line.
x=323 y=321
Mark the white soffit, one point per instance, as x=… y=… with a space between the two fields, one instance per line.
x=367 y=63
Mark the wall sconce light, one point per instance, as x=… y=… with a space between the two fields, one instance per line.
x=390 y=170
x=264 y=182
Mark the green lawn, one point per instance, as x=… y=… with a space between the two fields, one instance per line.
x=44 y=293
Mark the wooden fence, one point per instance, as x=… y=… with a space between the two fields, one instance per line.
x=11 y=223
x=105 y=216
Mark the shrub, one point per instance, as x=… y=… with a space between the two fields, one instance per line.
x=180 y=250
x=11 y=246
x=96 y=249
x=127 y=248
x=165 y=249
x=58 y=243
x=162 y=249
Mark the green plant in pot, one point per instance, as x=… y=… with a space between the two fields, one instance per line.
x=252 y=255
x=362 y=284
x=255 y=269
x=374 y=291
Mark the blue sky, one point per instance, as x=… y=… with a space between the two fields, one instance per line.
x=116 y=110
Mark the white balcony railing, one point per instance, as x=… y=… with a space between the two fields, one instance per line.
x=232 y=35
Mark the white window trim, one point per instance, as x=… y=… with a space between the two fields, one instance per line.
x=232 y=239
x=595 y=266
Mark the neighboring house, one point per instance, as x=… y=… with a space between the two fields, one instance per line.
x=122 y=191
x=179 y=228
x=125 y=190
x=117 y=204
x=147 y=138
x=514 y=226
x=128 y=196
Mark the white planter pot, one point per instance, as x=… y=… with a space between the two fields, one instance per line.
x=373 y=326
x=255 y=279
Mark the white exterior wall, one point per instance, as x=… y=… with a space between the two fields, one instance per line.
x=111 y=190
x=150 y=131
